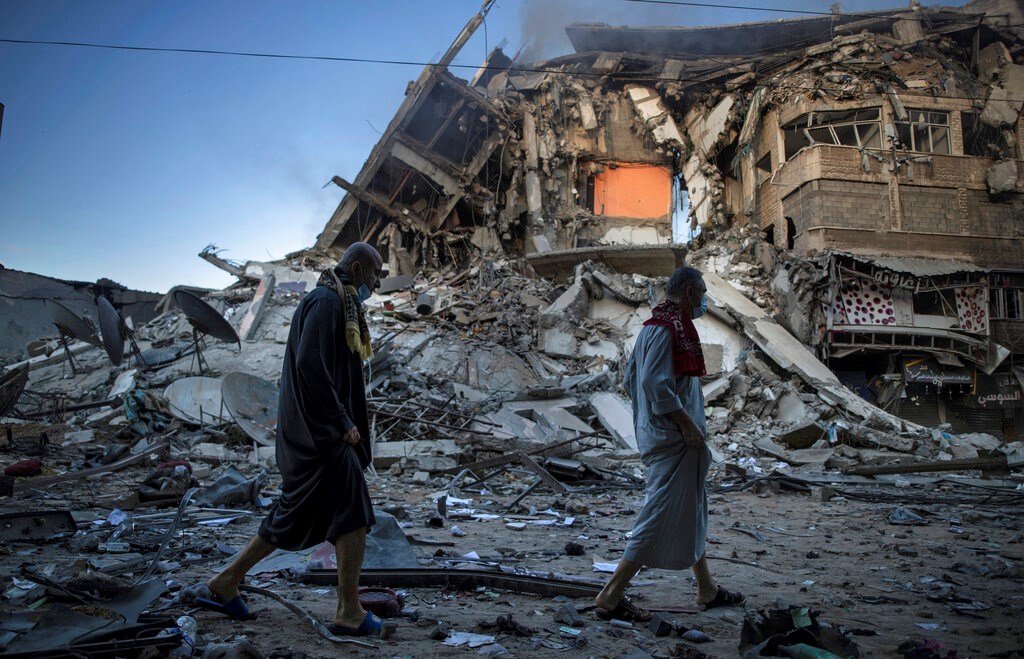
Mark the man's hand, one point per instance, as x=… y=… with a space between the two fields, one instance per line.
x=351 y=437
x=692 y=437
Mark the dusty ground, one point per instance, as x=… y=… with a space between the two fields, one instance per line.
x=841 y=557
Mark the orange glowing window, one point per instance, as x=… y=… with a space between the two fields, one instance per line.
x=630 y=190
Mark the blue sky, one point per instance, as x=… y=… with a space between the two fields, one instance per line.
x=126 y=164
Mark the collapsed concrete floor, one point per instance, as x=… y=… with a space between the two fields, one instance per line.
x=490 y=374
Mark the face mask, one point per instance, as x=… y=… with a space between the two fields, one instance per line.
x=363 y=292
x=700 y=309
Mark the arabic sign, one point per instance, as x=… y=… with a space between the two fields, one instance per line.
x=999 y=390
x=929 y=371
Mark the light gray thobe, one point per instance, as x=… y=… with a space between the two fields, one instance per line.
x=671 y=529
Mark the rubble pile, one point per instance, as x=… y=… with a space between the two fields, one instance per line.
x=505 y=465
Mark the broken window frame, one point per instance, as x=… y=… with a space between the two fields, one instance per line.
x=923 y=130
x=857 y=127
x=943 y=307
x=977 y=136
x=1006 y=303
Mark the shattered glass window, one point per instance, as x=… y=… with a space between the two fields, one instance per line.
x=982 y=140
x=858 y=127
x=925 y=131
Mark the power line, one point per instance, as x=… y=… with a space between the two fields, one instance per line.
x=207 y=51
x=365 y=60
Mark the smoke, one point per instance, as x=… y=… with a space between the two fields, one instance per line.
x=542 y=28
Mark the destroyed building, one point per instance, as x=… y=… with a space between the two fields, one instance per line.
x=872 y=158
x=850 y=186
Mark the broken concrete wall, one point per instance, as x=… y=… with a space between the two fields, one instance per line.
x=26 y=319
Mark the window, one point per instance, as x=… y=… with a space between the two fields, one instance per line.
x=860 y=128
x=1006 y=303
x=764 y=168
x=982 y=140
x=933 y=303
x=926 y=131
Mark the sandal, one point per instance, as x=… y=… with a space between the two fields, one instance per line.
x=370 y=626
x=624 y=610
x=725 y=598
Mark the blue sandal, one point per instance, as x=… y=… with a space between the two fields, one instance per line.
x=370 y=626
x=235 y=608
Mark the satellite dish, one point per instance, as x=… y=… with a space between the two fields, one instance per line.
x=197 y=400
x=71 y=325
x=205 y=320
x=12 y=384
x=114 y=331
x=111 y=329
x=252 y=401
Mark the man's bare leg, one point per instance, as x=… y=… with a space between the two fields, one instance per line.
x=225 y=585
x=706 y=586
x=349 y=550
x=609 y=596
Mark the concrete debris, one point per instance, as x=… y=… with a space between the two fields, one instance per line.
x=1002 y=177
x=857 y=220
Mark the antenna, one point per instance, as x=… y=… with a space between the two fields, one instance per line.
x=114 y=331
x=205 y=320
x=72 y=326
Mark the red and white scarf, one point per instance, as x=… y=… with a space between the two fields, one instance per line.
x=687 y=355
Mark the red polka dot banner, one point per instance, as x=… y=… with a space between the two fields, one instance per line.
x=972 y=307
x=864 y=302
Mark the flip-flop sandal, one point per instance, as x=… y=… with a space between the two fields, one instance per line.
x=370 y=626
x=235 y=608
x=624 y=610
x=725 y=598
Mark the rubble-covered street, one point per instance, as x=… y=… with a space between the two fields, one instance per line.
x=514 y=463
x=853 y=199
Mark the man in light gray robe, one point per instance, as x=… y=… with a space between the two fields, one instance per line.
x=662 y=379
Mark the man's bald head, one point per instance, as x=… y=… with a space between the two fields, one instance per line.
x=363 y=264
x=360 y=253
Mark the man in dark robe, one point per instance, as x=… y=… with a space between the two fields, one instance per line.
x=323 y=442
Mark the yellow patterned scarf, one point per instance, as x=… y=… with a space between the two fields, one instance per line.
x=357 y=333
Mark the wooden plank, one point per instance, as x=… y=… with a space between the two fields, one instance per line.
x=997 y=463
x=543 y=473
x=67 y=477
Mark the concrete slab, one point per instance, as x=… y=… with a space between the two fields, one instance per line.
x=600 y=348
x=1002 y=177
x=258 y=306
x=1006 y=99
x=655 y=115
x=791 y=410
x=616 y=414
x=387 y=453
x=790 y=354
x=559 y=343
